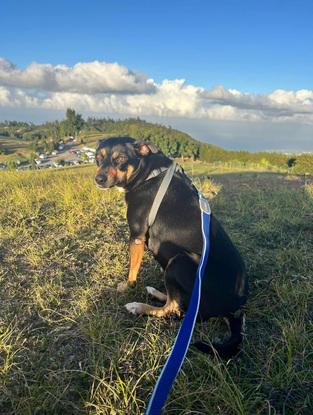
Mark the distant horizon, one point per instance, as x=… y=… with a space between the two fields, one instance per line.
x=173 y=123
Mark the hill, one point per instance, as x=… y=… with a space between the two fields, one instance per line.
x=67 y=345
x=22 y=142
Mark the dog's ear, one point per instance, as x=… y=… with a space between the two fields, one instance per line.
x=145 y=148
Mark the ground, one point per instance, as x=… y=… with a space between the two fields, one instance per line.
x=68 y=345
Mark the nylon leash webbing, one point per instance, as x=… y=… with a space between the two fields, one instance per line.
x=183 y=338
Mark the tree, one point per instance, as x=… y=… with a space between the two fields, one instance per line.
x=12 y=164
x=73 y=123
x=291 y=162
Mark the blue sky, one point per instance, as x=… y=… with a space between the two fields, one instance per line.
x=252 y=46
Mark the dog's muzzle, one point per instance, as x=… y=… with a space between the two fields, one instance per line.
x=101 y=180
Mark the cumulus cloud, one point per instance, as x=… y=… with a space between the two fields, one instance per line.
x=102 y=87
x=90 y=78
x=279 y=103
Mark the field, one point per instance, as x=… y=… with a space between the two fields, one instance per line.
x=14 y=149
x=68 y=346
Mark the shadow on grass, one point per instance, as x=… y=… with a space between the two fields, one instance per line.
x=73 y=348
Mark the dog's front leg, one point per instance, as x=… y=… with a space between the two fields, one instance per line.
x=136 y=248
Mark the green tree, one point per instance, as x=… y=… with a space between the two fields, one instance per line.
x=12 y=164
x=73 y=123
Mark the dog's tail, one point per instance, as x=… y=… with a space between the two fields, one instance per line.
x=231 y=347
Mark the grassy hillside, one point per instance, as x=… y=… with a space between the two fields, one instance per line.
x=21 y=141
x=68 y=346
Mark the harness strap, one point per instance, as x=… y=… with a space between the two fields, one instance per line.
x=156 y=172
x=160 y=193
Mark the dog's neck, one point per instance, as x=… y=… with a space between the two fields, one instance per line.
x=147 y=169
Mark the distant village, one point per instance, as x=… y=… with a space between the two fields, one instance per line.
x=63 y=155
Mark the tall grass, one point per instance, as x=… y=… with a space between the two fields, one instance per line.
x=67 y=345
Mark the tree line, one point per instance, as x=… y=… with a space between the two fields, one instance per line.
x=172 y=142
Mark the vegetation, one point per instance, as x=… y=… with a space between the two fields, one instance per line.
x=68 y=346
x=19 y=140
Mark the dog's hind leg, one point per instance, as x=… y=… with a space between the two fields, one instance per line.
x=156 y=294
x=231 y=346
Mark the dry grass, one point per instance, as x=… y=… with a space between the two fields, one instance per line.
x=67 y=345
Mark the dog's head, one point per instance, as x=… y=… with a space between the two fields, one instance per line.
x=118 y=158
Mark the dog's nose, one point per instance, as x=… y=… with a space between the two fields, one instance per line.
x=101 y=179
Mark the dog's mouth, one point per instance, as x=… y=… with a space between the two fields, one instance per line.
x=119 y=188
x=102 y=187
x=106 y=185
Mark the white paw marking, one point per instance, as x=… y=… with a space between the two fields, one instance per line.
x=133 y=308
x=150 y=290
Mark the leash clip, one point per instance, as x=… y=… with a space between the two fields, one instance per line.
x=204 y=204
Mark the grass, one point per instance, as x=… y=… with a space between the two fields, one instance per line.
x=68 y=346
x=15 y=149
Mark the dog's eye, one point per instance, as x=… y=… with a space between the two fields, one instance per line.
x=121 y=159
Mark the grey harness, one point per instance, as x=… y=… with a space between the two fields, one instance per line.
x=162 y=189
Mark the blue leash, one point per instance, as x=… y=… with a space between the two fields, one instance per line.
x=177 y=356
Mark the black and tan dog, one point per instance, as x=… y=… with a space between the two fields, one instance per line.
x=175 y=238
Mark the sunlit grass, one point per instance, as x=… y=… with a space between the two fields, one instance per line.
x=67 y=344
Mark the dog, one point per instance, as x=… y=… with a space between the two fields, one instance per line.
x=175 y=239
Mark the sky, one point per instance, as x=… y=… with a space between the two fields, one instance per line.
x=233 y=73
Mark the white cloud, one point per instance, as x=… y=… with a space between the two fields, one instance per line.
x=90 y=78
x=101 y=87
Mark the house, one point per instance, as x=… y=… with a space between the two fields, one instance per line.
x=88 y=149
x=54 y=153
x=56 y=164
x=76 y=162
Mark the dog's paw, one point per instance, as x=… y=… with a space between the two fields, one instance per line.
x=151 y=290
x=122 y=287
x=134 y=308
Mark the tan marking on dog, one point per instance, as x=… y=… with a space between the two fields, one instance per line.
x=130 y=171
x=99 y=169
x=115 y=154
x=103 y=152
x=112 y=173
x=120 y=175
x=136 y=249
